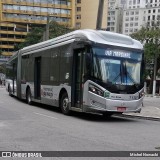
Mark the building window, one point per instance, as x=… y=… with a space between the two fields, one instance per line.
x=78 y=16
x=131 y=30
x=126 y=25
x=136 y=24
x=149 y=11
x=136 y=18
x=127 y=13
x=78 y=25
x=134 y=1
x=144 y=18
x=78 y=1
x=132 y=18
x=78 y=9
x=131 y=24
x=153 y=17
x=135 y=30
x=126 y=30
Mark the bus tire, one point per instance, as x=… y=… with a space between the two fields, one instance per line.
x=64 y=104
x=9 y=91
x=28 y=96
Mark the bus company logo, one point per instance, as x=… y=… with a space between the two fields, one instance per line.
x=47 y=92
x=122 y=104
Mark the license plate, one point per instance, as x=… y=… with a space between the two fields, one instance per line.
x=121 y=109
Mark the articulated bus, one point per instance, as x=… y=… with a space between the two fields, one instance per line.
x=86 y=71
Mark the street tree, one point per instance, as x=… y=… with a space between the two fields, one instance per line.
x=32 y=37
x=36 y=34
x=150 y=37
x=56 y=29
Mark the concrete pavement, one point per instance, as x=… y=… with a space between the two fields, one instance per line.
x=150 y=110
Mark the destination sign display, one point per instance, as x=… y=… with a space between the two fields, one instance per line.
x=118 y=53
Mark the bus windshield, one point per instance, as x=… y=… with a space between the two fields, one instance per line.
x=117 y=66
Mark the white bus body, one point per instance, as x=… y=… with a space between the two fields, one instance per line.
x=76 y=72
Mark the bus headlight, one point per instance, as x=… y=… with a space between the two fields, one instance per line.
x=96 y=90
x=141 y=94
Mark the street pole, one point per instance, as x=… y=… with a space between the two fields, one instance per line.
x=47 y=29
x=155 y=73
x=100 y=14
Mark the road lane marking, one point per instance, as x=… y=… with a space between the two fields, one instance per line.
x=157 y=108
x=45 y=115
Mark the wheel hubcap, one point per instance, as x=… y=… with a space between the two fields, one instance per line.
x=29 y=98
x=65 y=104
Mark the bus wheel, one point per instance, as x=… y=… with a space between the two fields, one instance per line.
x=64 y=104
x=28 y=97
x=9 y=91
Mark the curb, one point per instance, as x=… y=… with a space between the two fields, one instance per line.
x=139 y=117
x=152 y=96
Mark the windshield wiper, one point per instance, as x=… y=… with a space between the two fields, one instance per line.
x=119 y=75
x=127 y=74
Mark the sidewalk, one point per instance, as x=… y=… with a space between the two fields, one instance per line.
x=152 y=113
x=147 y=112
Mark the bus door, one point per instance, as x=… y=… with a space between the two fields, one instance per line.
x=77 y=81
x=37 y=78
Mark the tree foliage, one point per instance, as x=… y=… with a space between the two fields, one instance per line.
x=33 y=37
x=2 y=69
x=150 y=37
x=36 y=34
x=58 y=30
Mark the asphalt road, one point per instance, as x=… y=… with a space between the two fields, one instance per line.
x=45 y=128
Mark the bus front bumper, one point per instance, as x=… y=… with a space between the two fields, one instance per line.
x=116 y=106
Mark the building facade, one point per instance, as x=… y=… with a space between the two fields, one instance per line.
x=140 y=13
x=115 y=15
x=18 y=16
x=128 y=16
x=86 y=14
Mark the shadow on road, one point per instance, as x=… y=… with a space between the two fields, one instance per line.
x=83 y=116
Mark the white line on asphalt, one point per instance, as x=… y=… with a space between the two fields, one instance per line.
x=45 y=115
x=157 y=108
